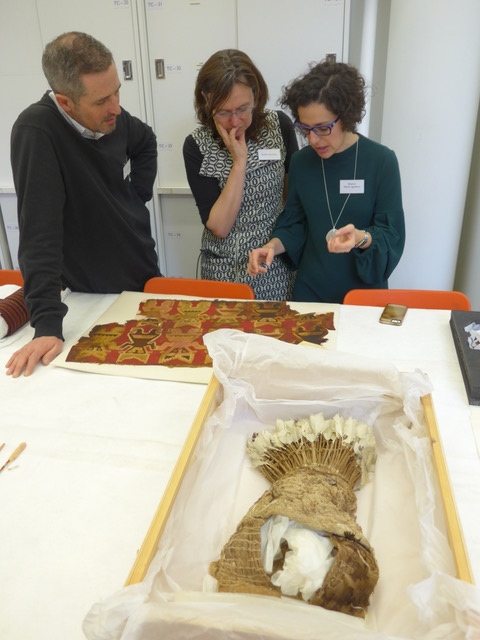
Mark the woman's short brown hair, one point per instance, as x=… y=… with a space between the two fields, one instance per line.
x=337 y=85
x=215 y=82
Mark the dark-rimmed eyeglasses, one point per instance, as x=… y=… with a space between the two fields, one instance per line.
x=318 y=129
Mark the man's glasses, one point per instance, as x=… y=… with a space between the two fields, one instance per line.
x=318 y=129
x=242 y=112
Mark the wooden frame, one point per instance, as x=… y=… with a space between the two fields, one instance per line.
x=206 y=409
x=150 y=543
x=454 y=530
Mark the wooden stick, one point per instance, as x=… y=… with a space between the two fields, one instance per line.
x=14 y=455
x=454 y=530
x=149 y=547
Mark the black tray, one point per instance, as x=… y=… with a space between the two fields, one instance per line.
x=468 y=358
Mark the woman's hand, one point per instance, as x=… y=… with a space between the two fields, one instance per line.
x=346 y=238
x=257 y=258
x=225 y=210
x=260 y=259
x=235 y=143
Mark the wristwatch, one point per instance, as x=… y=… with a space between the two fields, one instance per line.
x=363 y=241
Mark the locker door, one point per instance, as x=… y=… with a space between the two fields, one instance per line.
x=110 y=21
x=113 y=22
x=22 y=82
x=182 y=34
x=21 y=79
x=282 y=37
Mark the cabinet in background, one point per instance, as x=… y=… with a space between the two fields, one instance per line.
x=159 y=46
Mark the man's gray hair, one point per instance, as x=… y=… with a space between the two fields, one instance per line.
x=69 y=56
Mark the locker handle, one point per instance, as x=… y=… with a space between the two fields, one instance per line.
x=127 y=70
x=160 y=69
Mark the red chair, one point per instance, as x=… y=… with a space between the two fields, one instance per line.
x=11 y=276
x=413 y=298
x=200 y=288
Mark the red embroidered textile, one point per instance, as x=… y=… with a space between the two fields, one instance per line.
x=170 y=332
x=14 y=311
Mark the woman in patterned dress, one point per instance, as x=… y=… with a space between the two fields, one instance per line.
x=237 y=163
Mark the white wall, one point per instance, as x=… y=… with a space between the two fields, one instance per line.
x=368 y=46
x=8 y=203
x=431 y=103
x=468 y=267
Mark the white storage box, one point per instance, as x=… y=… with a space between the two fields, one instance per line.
x=406 y=512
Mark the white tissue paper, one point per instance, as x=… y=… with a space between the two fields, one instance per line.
x=474 y=337
x=3 y=328
x=399 y=510
x=306 y=563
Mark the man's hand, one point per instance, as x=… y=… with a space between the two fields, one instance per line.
x=45 y=349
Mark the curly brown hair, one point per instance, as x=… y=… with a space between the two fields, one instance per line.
x=215 y=82
x=337 y=85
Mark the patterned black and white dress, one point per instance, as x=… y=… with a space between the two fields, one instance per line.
x=227 y=258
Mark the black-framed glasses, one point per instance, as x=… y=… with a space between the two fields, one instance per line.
x=318 y=129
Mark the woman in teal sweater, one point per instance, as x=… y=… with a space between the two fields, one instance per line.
x=343 y=226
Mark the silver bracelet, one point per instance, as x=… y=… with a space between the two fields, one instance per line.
x=363 y=241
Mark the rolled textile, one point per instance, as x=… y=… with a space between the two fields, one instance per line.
x=13 y=313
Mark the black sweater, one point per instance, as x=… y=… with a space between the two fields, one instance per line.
x=83 y=221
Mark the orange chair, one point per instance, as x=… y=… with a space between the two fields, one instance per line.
x=414 y=298
x=200 y=288
x=11 y=276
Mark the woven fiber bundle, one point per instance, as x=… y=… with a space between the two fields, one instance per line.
x=314 y=466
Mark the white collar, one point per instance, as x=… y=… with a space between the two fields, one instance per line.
x=86 y=133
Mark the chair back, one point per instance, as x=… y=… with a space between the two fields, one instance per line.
x=413 y=298
x=200 y=288
x=11 y=276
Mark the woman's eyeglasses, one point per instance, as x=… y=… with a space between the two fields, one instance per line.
x=318 y=129
x=241 y=112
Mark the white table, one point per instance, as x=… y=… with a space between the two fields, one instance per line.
x=77 y=503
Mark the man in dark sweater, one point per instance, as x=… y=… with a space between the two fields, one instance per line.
x=83 y=170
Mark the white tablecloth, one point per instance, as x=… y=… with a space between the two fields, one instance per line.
x=77 y=503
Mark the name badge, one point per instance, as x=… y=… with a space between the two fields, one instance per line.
x=127 y=169
x=269 y=154
x=352 y=186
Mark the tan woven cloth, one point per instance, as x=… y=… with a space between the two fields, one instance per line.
x=319 y=498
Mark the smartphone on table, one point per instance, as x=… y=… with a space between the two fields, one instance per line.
x=393 y=314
